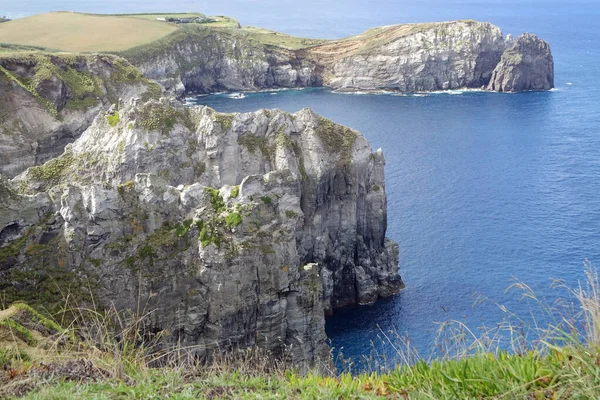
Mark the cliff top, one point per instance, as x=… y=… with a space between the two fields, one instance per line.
x=123 y=32
x=79 y=32
x=377 y=37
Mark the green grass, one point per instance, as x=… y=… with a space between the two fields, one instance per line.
x=232 y=220
x=566 y=374
x=271 y=38
x=80 y=32
x=566 y=366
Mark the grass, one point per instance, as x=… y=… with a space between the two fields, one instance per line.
x=113 y=120
x=271 y=38
x=79 y=32
x=564 y=364
x=75 y=32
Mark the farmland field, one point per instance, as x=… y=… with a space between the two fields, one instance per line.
x=83 y=32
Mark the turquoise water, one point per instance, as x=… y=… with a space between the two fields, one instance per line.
x=482 y=187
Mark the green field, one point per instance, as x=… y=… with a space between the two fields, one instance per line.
x=75 y=32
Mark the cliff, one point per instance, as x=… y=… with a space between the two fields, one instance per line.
x=48 y=100
x=406 y=58
x=233 y=229
x=196 y=59
x=414 y=57
x=526 y=64
x=221 y=55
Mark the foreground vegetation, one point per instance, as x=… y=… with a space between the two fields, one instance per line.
x=90 y=360
x=565 y=374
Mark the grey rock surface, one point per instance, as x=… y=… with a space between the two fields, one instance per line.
x=211 y=61
x=47 y=101
x=526 y=64
x=406 y=58
x=428 y=57
x=232 y=229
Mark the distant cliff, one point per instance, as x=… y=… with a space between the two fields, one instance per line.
x=407 y=58
x=48 y=100
x=526 y=64
x=234 y=229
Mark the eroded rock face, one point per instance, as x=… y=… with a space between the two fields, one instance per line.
x=426 y=57
x=406 y=58
x=526 y=64
x=207 y=62
x=47 y=101
x=232 y=229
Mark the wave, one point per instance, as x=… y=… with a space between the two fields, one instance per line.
x=236 y=96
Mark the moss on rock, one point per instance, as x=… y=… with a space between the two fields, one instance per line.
x=254 y=143
x=337 y=139
x=114 y=119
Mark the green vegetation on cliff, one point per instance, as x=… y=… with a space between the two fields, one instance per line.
x=43 y=75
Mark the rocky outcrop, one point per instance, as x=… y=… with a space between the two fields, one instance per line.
x=526 y=64
x=229 y=229
x=202 y=60
x=48 y=100
x=406 y=58
x=415 y=57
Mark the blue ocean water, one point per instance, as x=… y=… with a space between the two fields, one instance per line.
x=482 y=187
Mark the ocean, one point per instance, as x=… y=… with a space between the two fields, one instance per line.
x=483 y=188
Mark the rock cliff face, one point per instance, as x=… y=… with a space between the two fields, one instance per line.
x=48 y=100
x=526 y=64
x=200 y=60
x=407 y=58
x=234 y=229
x=420 y=57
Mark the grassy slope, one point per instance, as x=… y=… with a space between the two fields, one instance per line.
x=571 y=370
x=564 y=374
x=82 y=32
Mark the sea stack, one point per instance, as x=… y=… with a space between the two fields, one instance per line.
x=526 y=64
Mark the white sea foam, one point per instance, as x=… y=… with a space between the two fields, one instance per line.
x=236 y=96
